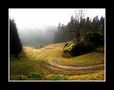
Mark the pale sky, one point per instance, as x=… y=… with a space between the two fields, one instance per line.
x=39 y=18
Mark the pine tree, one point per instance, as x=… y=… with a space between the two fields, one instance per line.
x=15 y=44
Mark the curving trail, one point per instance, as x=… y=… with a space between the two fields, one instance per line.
x=51 y=64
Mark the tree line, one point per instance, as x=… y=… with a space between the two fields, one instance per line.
x=78 y=27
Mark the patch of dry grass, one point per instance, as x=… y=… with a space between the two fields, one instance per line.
x=33 y=60
x=89 y=59
x=99 y=75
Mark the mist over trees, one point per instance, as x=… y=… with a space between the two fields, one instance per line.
x=15 y=44
x=37 y=38
x=78 y=27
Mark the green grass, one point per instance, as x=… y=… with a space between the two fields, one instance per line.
x=33 y=60
x=57 y=77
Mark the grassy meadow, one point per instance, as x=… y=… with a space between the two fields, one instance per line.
x=32 y=64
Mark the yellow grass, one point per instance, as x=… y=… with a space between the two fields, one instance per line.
x=92 y=76
x=33 y=60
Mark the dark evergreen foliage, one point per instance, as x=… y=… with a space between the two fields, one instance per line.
x=15 y=44
x=78 y=29
x=92 y=41
x=96 y=38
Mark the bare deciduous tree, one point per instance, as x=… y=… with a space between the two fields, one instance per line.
x=79 y=21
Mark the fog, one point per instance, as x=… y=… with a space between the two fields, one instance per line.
x=36 y=27
x=37 y=38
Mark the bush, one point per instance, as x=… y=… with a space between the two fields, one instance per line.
x=58 y=77
x=36 y=75
x=92 y=40
x=71 y=49
x=81 y=48
x=96 y=38
x=66 y=54
x=68 y=46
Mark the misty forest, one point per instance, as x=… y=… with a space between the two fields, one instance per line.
x=74 y=51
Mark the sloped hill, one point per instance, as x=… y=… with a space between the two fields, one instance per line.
x=49 y=62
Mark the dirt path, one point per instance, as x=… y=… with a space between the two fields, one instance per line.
x=51 y=64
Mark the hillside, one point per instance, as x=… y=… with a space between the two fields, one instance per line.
x=47 y=63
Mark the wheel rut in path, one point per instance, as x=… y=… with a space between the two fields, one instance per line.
x=51 y=64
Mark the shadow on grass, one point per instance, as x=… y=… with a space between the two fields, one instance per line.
x=21 y=56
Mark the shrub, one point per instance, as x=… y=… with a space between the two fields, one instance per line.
x=81 y=48
x=92 y=41
x=96 y=38
x=76 y=49
x=68 y=46
x=36 y=75
x=58 y=77
x=66 y=54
